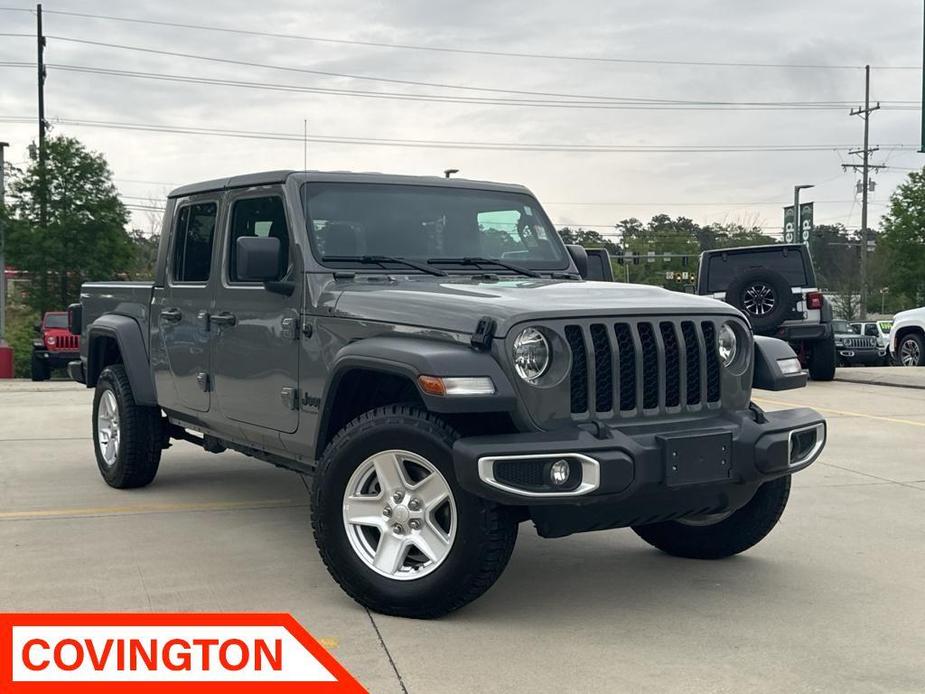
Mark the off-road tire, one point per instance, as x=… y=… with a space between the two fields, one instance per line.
x=918 y=340
x=40 y=370
x=766 y=323
x=140 y=437
x=732 y=535
x=485 y=532
x=822 y=360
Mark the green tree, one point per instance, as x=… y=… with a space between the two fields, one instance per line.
x=902 y=241
x=84 y=237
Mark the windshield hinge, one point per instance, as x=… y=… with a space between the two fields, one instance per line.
x=484 y=332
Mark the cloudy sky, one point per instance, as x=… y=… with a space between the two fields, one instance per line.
x=469 y=94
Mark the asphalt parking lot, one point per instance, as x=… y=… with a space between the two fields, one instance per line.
x=832 y=601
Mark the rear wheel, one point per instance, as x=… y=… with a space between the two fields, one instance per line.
x=721 y=535
x=392 y=525
x=764 y=296
x=822 y=360
x=911 y=350
x=126 y=436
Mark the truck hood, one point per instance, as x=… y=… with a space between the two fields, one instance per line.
x=457 y=303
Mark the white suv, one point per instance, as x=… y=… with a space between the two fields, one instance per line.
x=907 y=339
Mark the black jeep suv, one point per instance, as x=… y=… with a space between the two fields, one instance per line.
x=775 y=287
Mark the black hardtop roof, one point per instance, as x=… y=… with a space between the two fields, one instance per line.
x=749 y=249
x=278 y=177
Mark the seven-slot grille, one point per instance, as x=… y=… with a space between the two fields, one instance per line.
x=860 y=342
x=643 y=366
x=67 y=342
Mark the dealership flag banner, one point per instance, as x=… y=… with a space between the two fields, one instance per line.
x=176 y=653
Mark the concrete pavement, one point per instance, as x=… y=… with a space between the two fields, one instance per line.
x=832 y=600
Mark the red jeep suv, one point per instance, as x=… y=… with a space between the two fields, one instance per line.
x=54 y=347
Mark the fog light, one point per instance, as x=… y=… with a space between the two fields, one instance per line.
x=559 y=472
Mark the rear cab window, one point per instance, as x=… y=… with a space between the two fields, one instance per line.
x=725 y=267
x=194 y=233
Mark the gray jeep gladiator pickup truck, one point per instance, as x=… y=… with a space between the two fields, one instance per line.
x=432 y=355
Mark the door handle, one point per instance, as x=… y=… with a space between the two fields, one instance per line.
x=223 y=318
x=172 y=314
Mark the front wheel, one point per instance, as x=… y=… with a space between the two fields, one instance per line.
x=40 y=371
x=721 y=535
x=394 y=528
x=912 y=350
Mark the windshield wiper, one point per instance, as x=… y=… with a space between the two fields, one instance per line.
x=381 y=260
x=486 y=261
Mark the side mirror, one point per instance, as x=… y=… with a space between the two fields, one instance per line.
x=599 y=267
x=579 y=257
x=37 y=327
x=257 y=258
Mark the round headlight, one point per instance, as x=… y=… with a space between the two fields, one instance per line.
x=726 y=344
x=531 y=354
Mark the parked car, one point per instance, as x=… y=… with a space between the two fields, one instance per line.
x=853 y=348
x=430 y=352
x=880 y=330
x=775 y=287
x=907 y=339
x=54 y=346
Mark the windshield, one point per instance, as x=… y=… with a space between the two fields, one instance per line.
x=56 y=320
x=429 y=223
x=844 y=328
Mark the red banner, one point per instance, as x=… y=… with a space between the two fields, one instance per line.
x=176 y=653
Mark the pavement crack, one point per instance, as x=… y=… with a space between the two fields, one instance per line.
x=867 y=474
x=401 y=682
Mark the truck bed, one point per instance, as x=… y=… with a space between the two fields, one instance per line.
x=132 y=299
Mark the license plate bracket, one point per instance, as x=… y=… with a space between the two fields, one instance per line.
x=697 y=459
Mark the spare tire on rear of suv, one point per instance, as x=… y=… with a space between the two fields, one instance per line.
x=764 y=296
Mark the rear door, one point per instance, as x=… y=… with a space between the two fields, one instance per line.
x=181 y=308
x=255 y=331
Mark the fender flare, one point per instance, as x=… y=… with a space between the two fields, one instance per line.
x=130 y=340
x=411 y=357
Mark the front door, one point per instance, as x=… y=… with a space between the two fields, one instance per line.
x=181 y=307
x=255 y=332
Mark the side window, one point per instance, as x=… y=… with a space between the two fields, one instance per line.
x=871 y=330
x=258 y=217
x=192 y=243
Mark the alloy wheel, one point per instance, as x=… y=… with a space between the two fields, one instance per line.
x=400 y=515
x=759 y=299
x=909 y=353
x=107 y=427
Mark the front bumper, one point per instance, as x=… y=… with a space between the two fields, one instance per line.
x=56 y=360
x=643 y=474
x=861 y=356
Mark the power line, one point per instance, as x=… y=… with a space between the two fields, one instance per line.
x=466 y=51
x=443 y=144
x=326 y=73
x=615 y=103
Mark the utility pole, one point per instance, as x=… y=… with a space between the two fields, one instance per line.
x=43 y=183
x=865 y=168
x=3 y=146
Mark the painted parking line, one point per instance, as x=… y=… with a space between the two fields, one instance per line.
x=845 y=413
x=151 y=508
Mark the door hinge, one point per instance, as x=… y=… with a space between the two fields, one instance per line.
x=290 y=398
x=202 y=378
x=291 y=328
